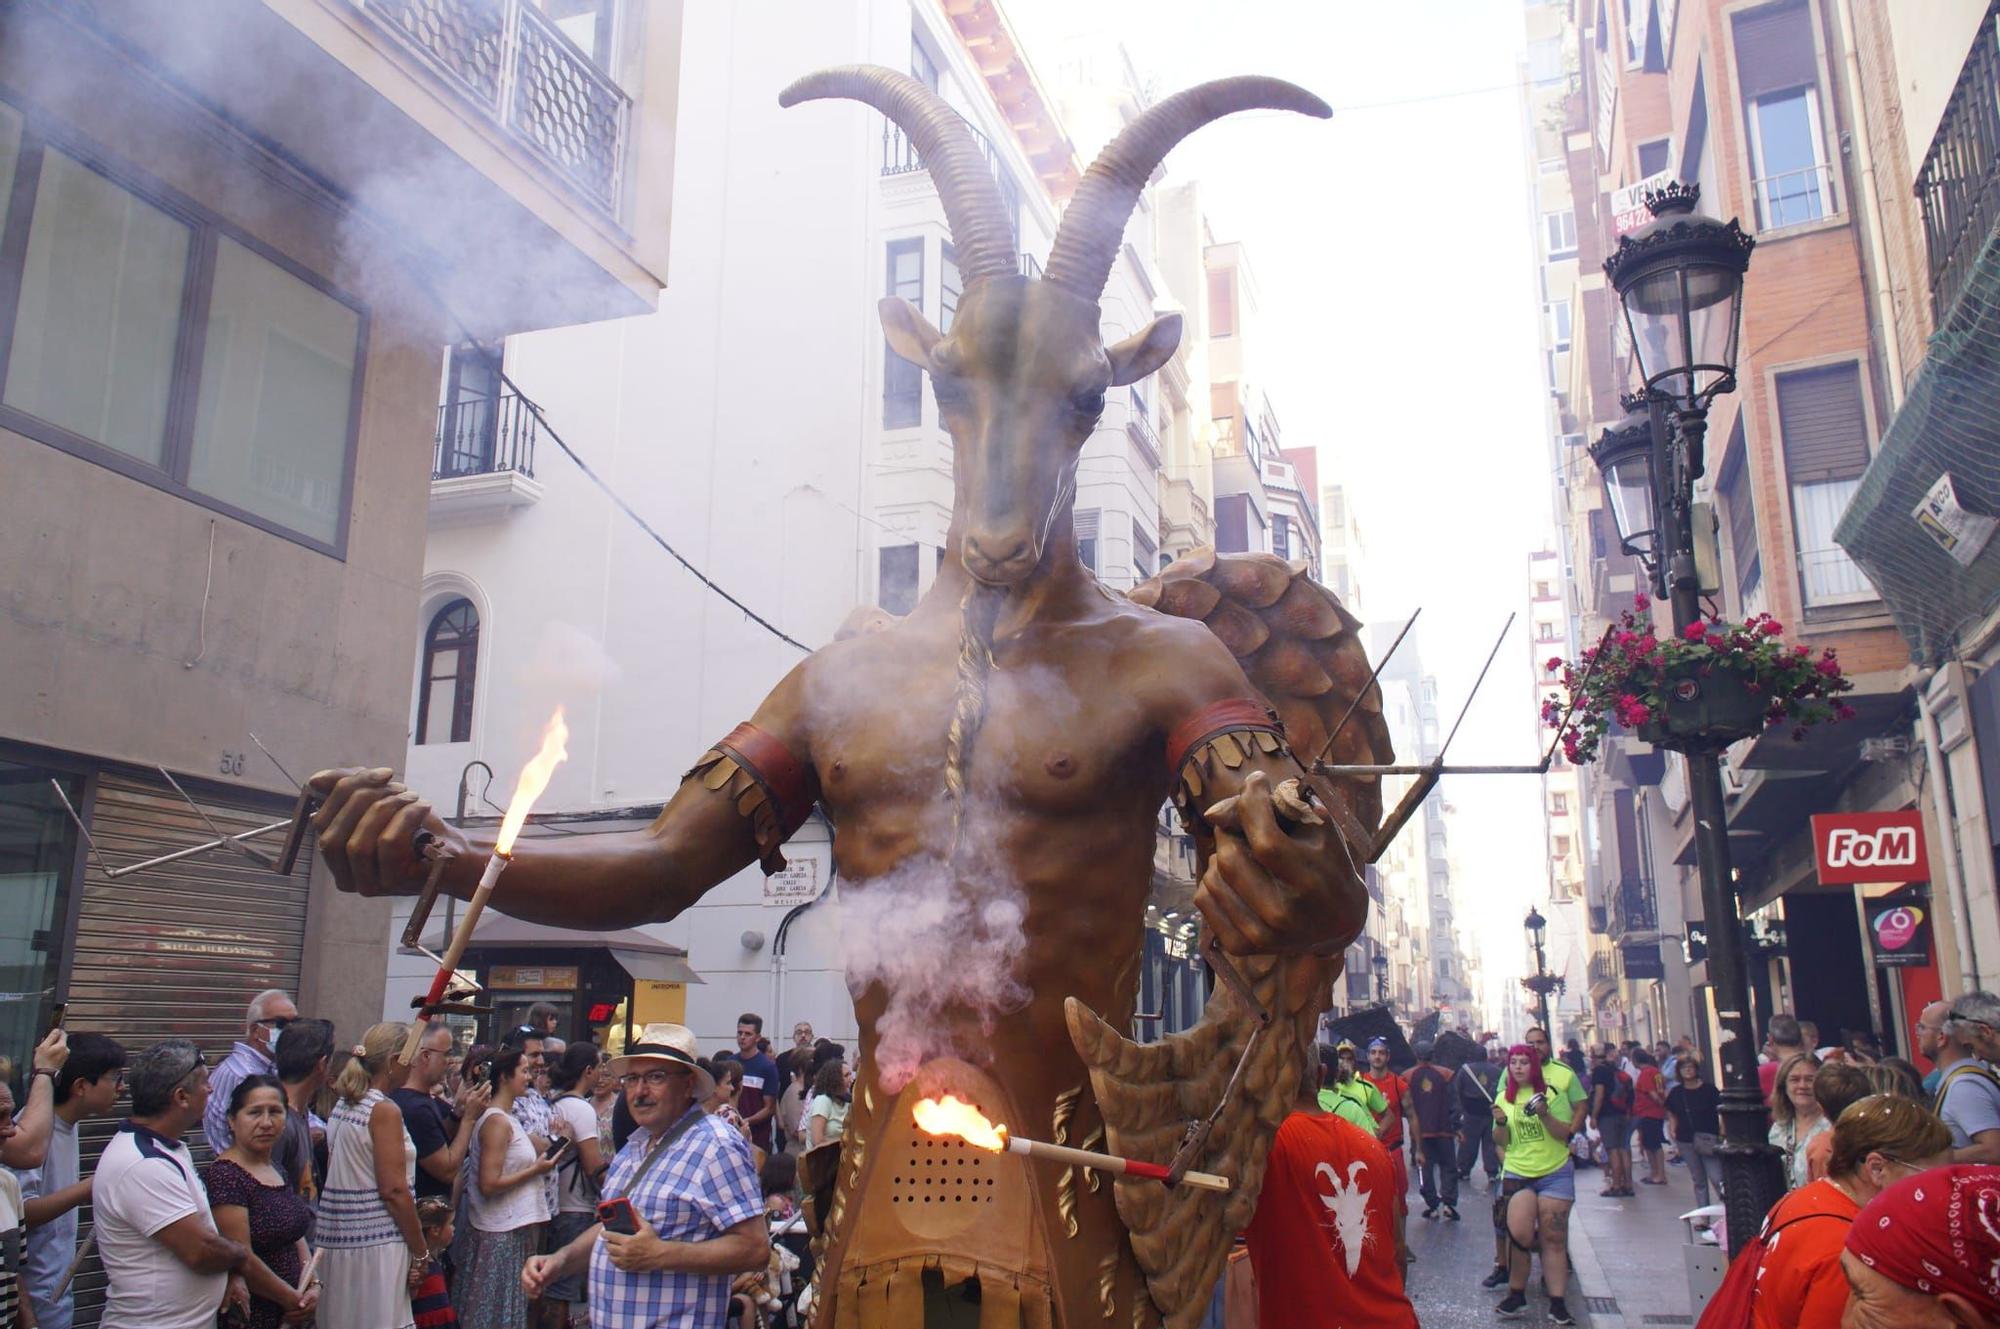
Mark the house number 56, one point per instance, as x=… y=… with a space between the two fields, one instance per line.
x=232 y=763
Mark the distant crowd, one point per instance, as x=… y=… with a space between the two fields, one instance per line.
x=530 y=1184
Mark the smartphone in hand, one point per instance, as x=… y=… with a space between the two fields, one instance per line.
x=618 y=1216
x=556 y=1147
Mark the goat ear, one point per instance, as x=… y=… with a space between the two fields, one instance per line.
x=910 y=333
x=1142 y=353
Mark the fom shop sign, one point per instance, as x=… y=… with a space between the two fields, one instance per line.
x=1869 y=847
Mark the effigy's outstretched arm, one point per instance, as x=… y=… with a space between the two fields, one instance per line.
x=736 y=806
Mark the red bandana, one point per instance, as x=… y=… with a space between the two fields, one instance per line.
x=1936 y=1232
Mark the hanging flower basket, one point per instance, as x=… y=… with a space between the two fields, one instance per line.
x=1712 y=685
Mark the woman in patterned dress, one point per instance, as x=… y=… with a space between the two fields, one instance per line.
x=368 y=1230
x=505 y=1205
x=255 y=1206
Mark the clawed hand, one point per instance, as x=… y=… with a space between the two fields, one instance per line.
x=367 y=826
x=1272 y=891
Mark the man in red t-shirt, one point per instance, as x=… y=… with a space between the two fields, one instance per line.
x=1324 y=1243
x=1397 y=1090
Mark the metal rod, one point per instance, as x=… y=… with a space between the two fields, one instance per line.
x=192 y=850
x=1373 y=674
x=1589 y=667
x=104 y=866
x=222 y=841
x=1539 y=768
x=1474 y=692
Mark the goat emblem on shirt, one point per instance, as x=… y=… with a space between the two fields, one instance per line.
x=1349 y=1207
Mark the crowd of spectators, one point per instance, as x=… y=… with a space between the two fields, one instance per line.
x=385 y=1184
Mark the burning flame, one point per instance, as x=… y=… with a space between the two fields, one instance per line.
x=949 y=1116
x=534 y=779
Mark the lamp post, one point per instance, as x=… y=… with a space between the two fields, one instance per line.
x=1540 y=984
x=1381 y=966
x=1679 y=279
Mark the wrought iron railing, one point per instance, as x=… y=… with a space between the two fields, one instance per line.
x=1139 y=424
x=1031 y=266
x=483 y=435
x=512 y=61
x=900 y=157
x=1958 y=186
x=1634 y=907
x=1603 y=969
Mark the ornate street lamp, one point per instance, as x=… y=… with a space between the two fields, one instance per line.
x=1679 y=279
x=1624 y=454
x=1541 y=984
x=1381 y=964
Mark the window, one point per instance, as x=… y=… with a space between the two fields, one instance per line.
x=1778 y=71
x=1086 y=538
x=1232 y=523
x=468 y=434
x=950 y=287
x=1739 y=518
x=903 y=382
x=1560 y=845
x=1281 y=535
x=1145 y=551
x=38 y=863
x=1559 y=804
x=139 y=333
x=451 y=655
x=1655 y=157
x=922 y=68
x=1544 y=591
x=277 y=375
x=1545 y=61
x=1547 y=631
x=1697 y=163
x=1558 y=314
x=1825 y=429
x=896 y=578
x=1221 y=303
x=1559 y=233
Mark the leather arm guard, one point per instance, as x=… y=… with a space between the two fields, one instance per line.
x=772 y=790
x=1228 y=733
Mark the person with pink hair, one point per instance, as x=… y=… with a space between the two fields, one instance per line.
x=1532 y=1125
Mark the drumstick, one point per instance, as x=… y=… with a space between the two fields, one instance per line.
x=83 y=1251
x=306 y=1277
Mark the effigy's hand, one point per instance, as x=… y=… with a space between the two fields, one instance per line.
x=1271 y=890
x=367 y=827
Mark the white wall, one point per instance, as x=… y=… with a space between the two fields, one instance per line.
x=1931 y=39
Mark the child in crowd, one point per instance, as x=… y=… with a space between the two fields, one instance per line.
x=431 y=1303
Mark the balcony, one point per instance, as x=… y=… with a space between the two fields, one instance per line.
x=1603 y=970
x=1634 y=908
x=1958 y=186
x=484 y=458
x=900 y=157
x=1139 y=426
x=511 y=61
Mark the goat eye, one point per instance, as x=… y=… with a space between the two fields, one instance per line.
x=1090 y=403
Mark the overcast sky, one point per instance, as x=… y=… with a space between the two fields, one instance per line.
x=1394 y=250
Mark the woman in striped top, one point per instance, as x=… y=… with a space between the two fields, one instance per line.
x=368 y=1226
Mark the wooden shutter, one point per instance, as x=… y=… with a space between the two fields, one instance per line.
x=1740 y=512
x=1824 y=426
x=1774 y=49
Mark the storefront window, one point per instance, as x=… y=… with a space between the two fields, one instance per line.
x=37 y=851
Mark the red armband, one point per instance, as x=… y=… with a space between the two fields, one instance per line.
x=1222 y=717
x=770 y=787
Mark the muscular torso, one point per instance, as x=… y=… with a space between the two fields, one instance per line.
x=1065 y=780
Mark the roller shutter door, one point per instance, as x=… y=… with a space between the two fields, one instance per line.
x=176 y=951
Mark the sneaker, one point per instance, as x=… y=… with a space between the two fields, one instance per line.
x=1430 y=1211
x=1498 y=1278
x=1513 y=1304
x=1559 y=1313
x=1451 y=1213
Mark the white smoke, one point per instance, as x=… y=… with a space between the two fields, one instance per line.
x=569 y=662
x=943 y=945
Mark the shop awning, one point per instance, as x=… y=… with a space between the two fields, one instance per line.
x=642 y=956
x=1833 y=747
x=1949 y=423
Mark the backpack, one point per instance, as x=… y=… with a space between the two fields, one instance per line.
x=1963 y=1068
x=1619 y=1100
x=1731 y=1306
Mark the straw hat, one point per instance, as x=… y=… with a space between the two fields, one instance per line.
x=672 y=1043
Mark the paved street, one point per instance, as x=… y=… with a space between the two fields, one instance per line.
x=1629 y=1272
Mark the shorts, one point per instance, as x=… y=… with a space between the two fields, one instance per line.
x=1557 y=1185
x=1616 y=1130
x=565 y=1229
x=1652 y=1132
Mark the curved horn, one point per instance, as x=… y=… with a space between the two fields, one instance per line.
x=972 y=206
x=1094 y=223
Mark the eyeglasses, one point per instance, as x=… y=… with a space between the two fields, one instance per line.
x=651 y=1079
x=280 y=1022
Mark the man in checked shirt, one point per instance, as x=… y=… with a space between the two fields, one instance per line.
x=690 y=1180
